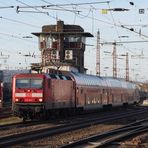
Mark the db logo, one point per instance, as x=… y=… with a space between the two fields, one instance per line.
x=28 y=95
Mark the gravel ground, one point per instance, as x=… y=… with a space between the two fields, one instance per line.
x=25 y=129
x=61 y=139
x=136 y=142
x=17 y=130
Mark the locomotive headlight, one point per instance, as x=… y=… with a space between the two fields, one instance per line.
x=16 y=99
x=0 y=100
x=40 y=100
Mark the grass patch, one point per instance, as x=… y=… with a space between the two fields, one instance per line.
x=10 y=120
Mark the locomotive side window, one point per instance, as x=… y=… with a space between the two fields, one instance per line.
x=53 y=76
x=60 y=77
x=68 y=78
x=29 y=83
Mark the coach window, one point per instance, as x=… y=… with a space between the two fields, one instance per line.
x=81 y=90
x=77 y=89
x=49 y=83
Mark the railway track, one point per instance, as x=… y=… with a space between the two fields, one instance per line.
x=36 y=134
x=67 y=120
x=5 y=115
x=64 y=121
x=20 y=125
x=107 y=138
x=6 y=111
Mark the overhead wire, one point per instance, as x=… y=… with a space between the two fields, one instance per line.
x=46 y=13
x=74 y=11
x=20 y=22
x=106 y=22
x=117 y=30
x=31 y=25
x=73 y=4
x=99 y=20
x=5 y=7
x=78 y=4
x=75 y=15
x=61 y=8
x=113 y=21
x=17 y=37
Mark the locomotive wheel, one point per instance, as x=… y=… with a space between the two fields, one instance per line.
x=24 y=119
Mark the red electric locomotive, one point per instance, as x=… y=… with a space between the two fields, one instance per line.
x=40 y=95
x=35 y=94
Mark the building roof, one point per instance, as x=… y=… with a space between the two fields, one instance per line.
x=85 y=34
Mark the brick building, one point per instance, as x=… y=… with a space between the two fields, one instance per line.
x=62 y=47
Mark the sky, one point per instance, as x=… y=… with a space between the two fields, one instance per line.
x=124 y=27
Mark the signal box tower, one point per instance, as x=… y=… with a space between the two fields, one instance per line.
x=62 y=47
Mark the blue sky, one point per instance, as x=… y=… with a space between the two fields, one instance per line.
x=15 y=26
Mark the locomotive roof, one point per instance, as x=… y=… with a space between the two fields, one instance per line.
x=85 y=79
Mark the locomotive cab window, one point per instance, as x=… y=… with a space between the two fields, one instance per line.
x=22 y=83
x=29 y=83
x=36 y=83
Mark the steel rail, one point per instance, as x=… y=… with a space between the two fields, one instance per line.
x=20 y=125
x=29 y=123
x=36 y=134
x=106 y=138
x=5 y=115
x=130 y=133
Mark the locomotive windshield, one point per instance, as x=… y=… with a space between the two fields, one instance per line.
x=29 y=83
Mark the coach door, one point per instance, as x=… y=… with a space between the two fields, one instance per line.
x=104 y=97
